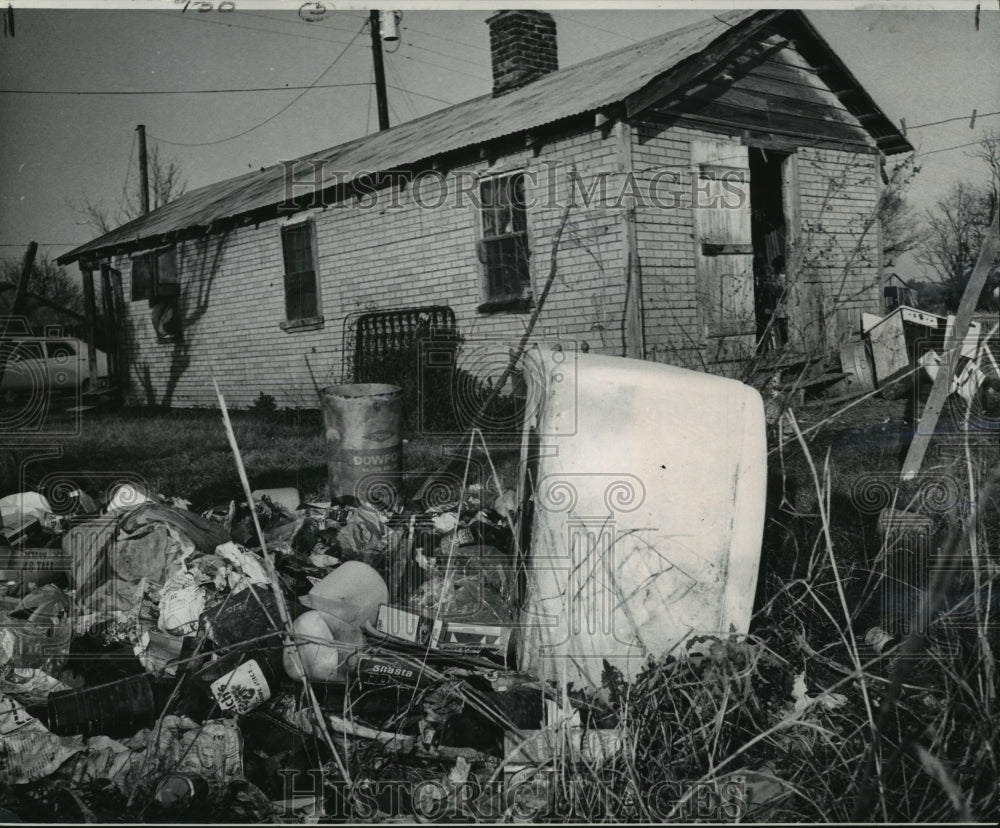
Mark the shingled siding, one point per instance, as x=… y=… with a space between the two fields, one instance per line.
x=661 y=160
x=839 y=194
x=379 y=258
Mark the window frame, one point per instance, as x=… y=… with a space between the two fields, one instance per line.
x=155 y=288
x=315 y=318
x=494 y=300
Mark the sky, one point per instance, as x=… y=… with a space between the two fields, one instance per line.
x=56 y=148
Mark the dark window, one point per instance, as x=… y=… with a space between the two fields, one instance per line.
x=301 y=299
x=167 y=282
x=154 y=275
x=504 y=246
x=60 y=350
x=142 y=277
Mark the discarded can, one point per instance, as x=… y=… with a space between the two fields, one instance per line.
x=244 y=688
x=375 y=671
x=182 y=790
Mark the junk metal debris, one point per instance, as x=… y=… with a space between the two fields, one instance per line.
x=146 y=672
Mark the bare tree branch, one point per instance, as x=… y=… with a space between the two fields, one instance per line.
x=166 y=184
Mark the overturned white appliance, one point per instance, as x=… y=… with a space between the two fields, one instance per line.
x=648 y=484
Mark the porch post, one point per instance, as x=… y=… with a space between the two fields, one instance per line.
x=89 y=319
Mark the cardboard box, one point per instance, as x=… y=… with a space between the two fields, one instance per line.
x=443 y=635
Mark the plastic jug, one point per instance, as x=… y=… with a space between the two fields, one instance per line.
x=341 y=604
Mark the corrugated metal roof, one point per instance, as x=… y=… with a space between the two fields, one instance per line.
x=588 y=86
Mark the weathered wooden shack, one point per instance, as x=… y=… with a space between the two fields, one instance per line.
x=721 y=179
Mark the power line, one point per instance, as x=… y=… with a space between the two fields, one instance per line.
x=478 y=64
x=43 y=244
x=406 y=92
x=595 y=28
x=420 y=94
x=442 y=37
x=948 y=149
x=128 y=169
x=203 y=19
x=446 y=68
x=368 y=106
x=172 y=91
x=950 y=120
x=297 y=21
x=276 y=114
x=201 y=91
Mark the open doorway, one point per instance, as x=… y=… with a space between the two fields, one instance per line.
x=768 y=236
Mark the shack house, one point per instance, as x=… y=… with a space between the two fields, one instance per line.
x=702 y=174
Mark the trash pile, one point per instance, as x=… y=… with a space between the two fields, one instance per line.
x=158 y=664
x=368 y=658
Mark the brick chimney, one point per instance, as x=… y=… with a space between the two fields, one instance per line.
x=523 y=47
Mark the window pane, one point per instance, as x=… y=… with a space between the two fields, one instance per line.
x=142 y=277
x=296 y=245
x=506 y=267
x=519 y=218
x=60 y=350
x=167 y=283
x=505 y=237
x=26 y=351
x=494 y=207
x=300 y=295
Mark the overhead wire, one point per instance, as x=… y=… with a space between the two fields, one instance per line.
x=406 y=92
x=206 y=91
x=297 y=21
x=128 y=169
x=446 y=68
x=455 y=40
x=951 y=120
x=43 y=244
x=203 y=19
x=477 y=63
x=174 y=91
x=276 y=114
x=947 y=149
x=368 y=106
x=595 y=28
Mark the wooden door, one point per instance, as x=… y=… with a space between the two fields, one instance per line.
x=724 y=249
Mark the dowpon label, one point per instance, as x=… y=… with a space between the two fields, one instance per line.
x=387 y=458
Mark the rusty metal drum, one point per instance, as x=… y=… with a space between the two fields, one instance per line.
x=364 y=442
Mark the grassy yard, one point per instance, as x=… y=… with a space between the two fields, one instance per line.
x=185 y=453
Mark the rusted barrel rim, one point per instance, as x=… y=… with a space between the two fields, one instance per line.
x=361 y=389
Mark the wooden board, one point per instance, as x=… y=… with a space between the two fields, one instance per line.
x=722 y=223
x=890 y=352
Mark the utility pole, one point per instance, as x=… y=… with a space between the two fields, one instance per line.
x=143 y=169
x=383 y=104
x=22 y=283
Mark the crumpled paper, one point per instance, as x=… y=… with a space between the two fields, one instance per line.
x=28 y=750
x=364 y=531
x=182 y=600
x=177 y=745
x=28 y=685
x=37 y=631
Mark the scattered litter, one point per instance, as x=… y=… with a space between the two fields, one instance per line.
x=185 y=662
